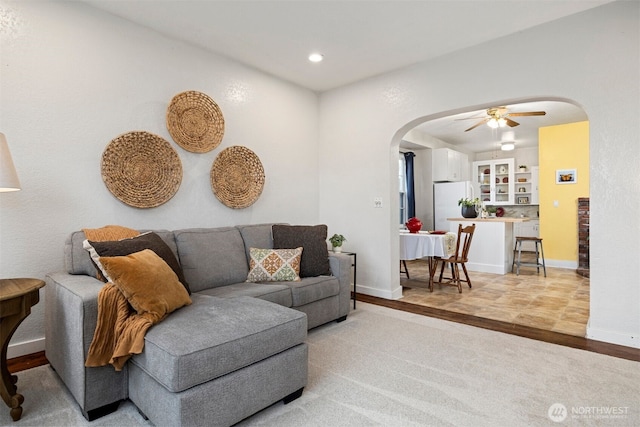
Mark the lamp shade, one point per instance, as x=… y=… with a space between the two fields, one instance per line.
x=8 y=176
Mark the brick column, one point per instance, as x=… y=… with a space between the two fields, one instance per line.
x=583 y=236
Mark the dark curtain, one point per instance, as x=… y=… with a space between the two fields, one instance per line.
x=411 y=194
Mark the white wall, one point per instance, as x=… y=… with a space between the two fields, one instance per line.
x=523 y=156
x=591 y=58
x=73 y=78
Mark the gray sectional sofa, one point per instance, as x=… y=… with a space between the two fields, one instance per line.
x=238 y=348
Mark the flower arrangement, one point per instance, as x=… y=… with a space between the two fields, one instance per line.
x=469 y=202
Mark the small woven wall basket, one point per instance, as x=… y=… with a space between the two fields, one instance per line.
x=141 y=169
x=237 y=177
x=195 y=122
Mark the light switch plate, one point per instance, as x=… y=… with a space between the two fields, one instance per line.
x=377 y=202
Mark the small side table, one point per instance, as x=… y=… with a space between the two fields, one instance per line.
x=354 y=264
x=17 y=296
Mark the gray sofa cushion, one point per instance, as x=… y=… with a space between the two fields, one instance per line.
x=256 y=236
x=215 y=336
x=76 y=258
x=211 y=257
x=311 y=289
x=274 y=292
x=313 y=239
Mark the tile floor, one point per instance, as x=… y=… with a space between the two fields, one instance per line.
x=559 y=302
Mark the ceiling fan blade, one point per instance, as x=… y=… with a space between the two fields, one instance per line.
x=469 y=118
x=529 y=113
x=511 y=123
x=481 y=122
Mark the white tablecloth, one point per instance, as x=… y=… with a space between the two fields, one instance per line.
x=422 y=244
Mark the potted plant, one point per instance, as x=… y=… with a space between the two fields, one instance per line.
x=469 y=207
x=522 y=168
x=492 y=211
x=336 y=242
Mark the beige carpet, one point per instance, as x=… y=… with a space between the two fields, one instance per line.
x=383 y=367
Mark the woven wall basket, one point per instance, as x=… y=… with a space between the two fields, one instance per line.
x=237 y=177
x=195 y=122
x=141 y=169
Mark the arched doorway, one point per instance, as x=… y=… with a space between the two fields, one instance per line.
x=522 y=309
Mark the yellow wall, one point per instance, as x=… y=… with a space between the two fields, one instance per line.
x=562 y=147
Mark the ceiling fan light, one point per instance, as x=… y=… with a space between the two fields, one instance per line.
x=502 y=122
x=507 y=146
x=316 y=57
x=493 y=123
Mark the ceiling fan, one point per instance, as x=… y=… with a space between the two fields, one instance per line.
x=500 y=117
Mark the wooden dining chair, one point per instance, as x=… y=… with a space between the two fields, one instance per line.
x=465 y=235
x=403 y=263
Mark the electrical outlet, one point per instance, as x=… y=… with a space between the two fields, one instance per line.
x=377 y=202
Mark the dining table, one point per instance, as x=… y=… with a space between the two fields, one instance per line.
x=431 y=246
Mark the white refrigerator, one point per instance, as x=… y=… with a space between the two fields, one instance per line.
x=445 y=201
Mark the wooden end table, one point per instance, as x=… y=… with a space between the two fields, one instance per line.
x=17 y=296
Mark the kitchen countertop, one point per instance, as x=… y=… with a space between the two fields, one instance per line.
x=496 y=219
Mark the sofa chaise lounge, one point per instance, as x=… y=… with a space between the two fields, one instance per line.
x=238 y=348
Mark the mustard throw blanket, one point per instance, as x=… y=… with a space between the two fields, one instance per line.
x=119 y=332
x=143 y=291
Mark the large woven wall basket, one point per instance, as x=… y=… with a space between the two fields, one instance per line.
x=141 y=169
x=195 y=121
x=237 y=177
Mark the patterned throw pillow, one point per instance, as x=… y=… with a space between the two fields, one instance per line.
x=274 y=265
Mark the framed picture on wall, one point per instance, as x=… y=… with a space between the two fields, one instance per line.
x=566 y=176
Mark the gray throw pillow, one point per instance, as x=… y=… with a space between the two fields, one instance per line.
x=129 y=246
x=313 y=239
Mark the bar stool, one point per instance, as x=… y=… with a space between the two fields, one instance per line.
x=539 y=254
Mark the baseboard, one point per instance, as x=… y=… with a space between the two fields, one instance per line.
x=499 y=269
x=24 y=348
x=380 y=293
x=558 y=263
x=612 y=337
x=487 y=268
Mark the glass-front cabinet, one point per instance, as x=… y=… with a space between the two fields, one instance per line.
x=493 y=181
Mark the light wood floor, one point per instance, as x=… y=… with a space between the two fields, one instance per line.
x=558 y=302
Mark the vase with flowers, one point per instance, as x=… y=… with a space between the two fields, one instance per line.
x=470 y=207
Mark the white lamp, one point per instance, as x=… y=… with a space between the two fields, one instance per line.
x=507 y=146
x=8 y=176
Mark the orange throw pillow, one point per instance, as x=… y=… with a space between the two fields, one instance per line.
x=148 y=283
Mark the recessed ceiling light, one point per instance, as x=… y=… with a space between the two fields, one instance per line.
x=316 y=57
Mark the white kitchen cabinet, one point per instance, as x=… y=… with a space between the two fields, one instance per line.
x=526 y=186
x=493 y=181
x=535 y=195
x=449 y=165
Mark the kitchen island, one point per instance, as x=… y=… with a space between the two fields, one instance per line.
x=491 y=249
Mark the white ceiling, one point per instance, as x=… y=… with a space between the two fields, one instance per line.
x=451 y=129
x=359 y=38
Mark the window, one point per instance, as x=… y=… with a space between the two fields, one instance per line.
x=402 y=180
